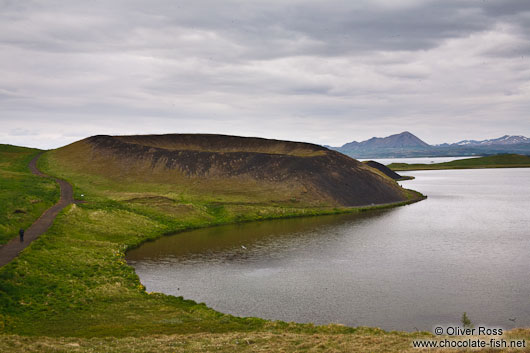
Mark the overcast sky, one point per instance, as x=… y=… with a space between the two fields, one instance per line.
x=327 y=72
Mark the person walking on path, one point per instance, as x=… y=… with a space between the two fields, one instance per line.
x=11 y=250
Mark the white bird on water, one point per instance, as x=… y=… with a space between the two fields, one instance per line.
x=243 y=247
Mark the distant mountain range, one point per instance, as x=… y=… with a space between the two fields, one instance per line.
x=406 y=144
x=505 y=140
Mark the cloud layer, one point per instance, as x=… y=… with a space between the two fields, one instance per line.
x=321 y=71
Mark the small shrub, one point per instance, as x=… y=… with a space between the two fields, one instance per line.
x=466 y=322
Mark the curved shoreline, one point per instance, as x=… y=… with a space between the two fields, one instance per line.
x=332 y=211
x=343 y=211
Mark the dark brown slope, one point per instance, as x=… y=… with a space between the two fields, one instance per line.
x=222 y=143
x=311 y=172
x=384 y=169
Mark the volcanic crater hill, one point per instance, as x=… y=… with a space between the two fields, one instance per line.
x=262 y=169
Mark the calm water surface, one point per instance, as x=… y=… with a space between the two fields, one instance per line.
x=417 y=160
x=465 y=248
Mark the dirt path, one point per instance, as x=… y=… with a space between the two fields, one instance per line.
x=10 y=250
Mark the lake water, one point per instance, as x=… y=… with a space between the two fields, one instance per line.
x=417 y=160
x=464 y=249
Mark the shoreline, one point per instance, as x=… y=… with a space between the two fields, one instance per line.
x=320 y=212
x=415 y=167
x=334 y=211
x=496 y=161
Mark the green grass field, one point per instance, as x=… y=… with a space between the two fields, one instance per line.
x=363 y=340
x=24 y=196
x=498 y=161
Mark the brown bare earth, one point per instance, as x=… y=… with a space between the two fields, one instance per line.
x=280 y=170
x=10 y=250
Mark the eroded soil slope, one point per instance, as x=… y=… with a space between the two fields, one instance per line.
x=270 y=170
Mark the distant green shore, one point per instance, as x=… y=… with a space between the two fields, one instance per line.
x=497 y=161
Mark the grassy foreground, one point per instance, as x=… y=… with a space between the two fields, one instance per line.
x=74 y=282
x=365 y=340
x=24 y=196
x=369 y=341
x=498 y=161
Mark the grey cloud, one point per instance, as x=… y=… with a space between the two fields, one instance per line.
x=327 y=71
x=264 y=29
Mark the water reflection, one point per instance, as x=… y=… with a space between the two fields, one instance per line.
x=271 y=239
x=465 y=248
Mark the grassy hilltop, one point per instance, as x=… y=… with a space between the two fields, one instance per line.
x=73 y=281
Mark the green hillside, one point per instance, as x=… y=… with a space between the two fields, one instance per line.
x=23 y=196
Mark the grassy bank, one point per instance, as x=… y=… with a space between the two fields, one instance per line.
x=74 y=281
x=498 y=161
x=363 y=340
x=24 y=196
